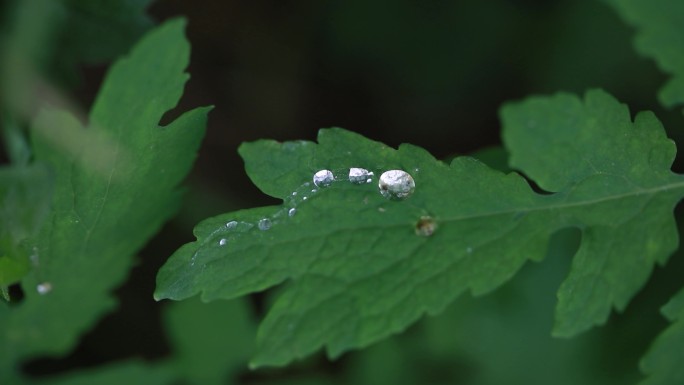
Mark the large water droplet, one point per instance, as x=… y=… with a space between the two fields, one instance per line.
x=223 y=241
x=426 y=226
x=359 y=175
x=323 y=178
x=231 y=225
x=44 y=288
x=396 y=184
x=292 y=211
x=264 y=224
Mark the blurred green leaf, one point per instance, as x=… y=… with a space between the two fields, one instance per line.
x=660 y=25
x=94 y=31
x=130 y=372
x=662 y=364
x=115 y=185
x=25 y=195
x=211 y=341
x=357 y=269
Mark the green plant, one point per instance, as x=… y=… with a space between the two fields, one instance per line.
x=346 y=262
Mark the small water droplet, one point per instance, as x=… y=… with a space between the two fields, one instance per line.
x=314 y=191
x=323 y=178
x=426 y=226
x=44 y=288
x=231 y=225
x=305 y=198
x=264 y=224
x=294 y=193
x=469 y=250
x=396 y=184
x=223 y=241
x=292 y=211
x=381 y=209
x=359 y=175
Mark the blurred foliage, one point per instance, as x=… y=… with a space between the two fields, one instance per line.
x=429 y=73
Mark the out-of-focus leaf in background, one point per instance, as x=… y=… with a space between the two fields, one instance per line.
x=212 y=342
x=660 y=31
x=663 y=363
x=116 y=183
x=25 y=195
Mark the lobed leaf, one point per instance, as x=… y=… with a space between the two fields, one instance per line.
x=355 y=267
x=592 y=149
x=115 y=185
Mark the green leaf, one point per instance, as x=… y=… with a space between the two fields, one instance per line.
x=498 y=339
x=663 y=361
x=211 y=341
x=594 y=151
x=25 y=194
x=115 y=185
x=355 y=268
x=94 y=31
x=660 y=25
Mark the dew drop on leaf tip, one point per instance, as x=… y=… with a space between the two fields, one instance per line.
x=264 y=224
x=396 y=184
x=323 y=178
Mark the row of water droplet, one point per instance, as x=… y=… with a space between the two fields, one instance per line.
x=392 y=184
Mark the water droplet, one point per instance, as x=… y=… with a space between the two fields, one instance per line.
x=469 y=250
x=426 y=226
x=44 y=288
x=305 y=198
x=223 y=241
x=294 y=193
x=292 y=211
x=396 y=184
x=323 y=178
x=359 y=175
x=264 y=224
x=314 y=191
x=231 y=225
